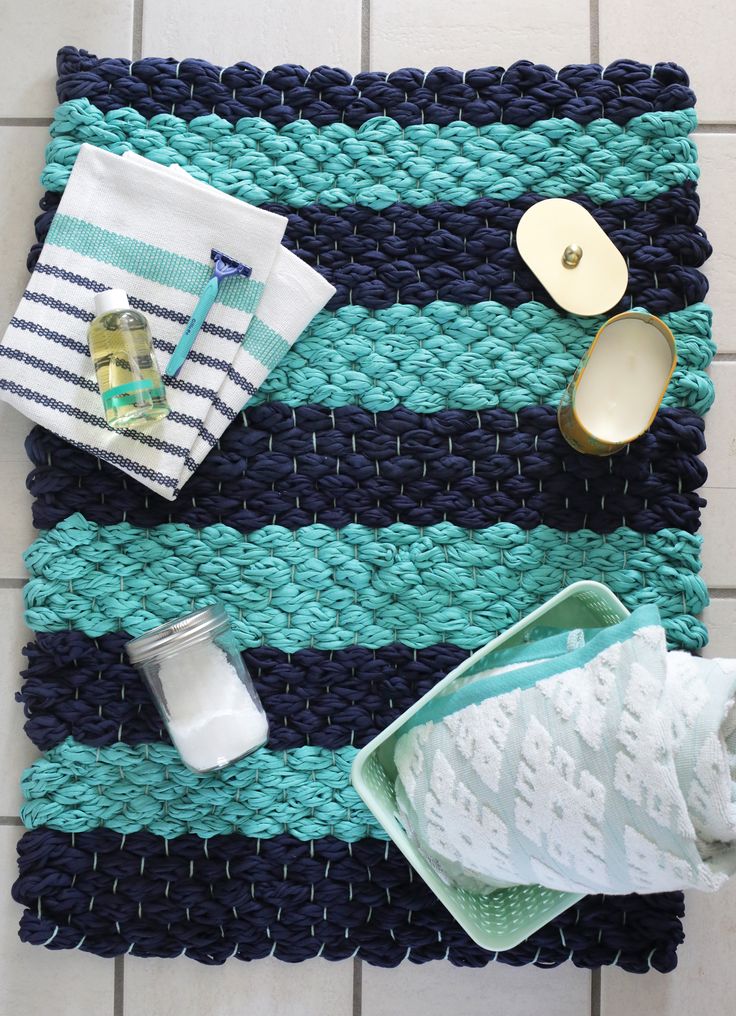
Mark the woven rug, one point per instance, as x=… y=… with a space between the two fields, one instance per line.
x=397 y=494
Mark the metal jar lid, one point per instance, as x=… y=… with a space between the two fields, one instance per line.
x=172 y=637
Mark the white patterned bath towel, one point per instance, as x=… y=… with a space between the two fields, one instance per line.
x=591 y=762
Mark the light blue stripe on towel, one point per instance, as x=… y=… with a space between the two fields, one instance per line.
x=264 y=343
x=149 y=262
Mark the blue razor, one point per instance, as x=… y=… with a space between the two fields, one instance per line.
x=224 y=268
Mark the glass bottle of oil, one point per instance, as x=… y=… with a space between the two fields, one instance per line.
x=133 y=393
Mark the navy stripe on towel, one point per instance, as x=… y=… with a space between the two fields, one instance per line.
x=142 y=305
x=45 y=367
x=30 y=395
x=51 y=335
x=168 y=347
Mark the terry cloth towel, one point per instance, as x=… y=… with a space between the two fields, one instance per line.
x=590 y=762
x=126 y=223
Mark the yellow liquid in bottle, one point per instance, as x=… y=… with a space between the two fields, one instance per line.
x=133 y=393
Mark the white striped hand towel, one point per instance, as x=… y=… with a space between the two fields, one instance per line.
x=127 y=223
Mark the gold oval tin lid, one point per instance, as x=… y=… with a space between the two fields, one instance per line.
x=571 y=256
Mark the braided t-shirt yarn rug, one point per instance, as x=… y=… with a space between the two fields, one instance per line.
x=397 y=494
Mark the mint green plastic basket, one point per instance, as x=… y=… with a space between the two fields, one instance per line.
x=501 y=919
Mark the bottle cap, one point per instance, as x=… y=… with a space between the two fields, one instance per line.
x=110 y=299
x=173 y=636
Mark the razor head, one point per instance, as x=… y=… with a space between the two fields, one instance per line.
x=225 y=266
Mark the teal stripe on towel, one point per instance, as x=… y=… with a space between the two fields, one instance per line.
x=264 y=343
x=149 y=262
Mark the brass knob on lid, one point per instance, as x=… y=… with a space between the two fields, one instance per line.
x=571 y=255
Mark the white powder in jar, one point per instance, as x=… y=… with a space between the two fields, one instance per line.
x=211 y=716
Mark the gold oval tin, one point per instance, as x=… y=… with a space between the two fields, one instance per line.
x=584 y=438
x=571 y=256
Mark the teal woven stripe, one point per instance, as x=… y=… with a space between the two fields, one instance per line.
x=446 y=356
x=265 y=344
x=380 y=162
x=149 y=262
x=329 y=588
x=305 y=792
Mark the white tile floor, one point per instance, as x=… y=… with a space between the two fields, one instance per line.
x=381 y=34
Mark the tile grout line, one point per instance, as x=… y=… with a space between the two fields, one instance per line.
x=357 y=987
x=10 y=820
x=25 y=121
x=595 y=40
x=595 y=992
x=365 y=35
x=722 y=593
x=716 y=128
x=118 y=996
x=137 y=40
x=12 y=583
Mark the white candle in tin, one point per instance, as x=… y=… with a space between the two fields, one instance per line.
x=624 y=378
x=619 y=385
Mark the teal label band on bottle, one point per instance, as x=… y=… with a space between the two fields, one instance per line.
x=123 y=395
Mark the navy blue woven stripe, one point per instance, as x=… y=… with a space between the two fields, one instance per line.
x=220 y=332
x=466 y=255
x=176 y=417
x=122 y=462
x=296 y=466
x=520 y=94
x=145 y=306
x=51 y=335
x=235 y=896
x=191 y=421
x=91 y=386
x=44 y=366
x=178 y=383
x=30 y=395
x=60 y=305
x=85 y=688
x=211 y=361
x=63 y=273
x=194 y=355
x=202 y=392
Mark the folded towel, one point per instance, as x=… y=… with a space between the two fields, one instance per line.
x=293 y=295
x=594 y=762
x=127 y=223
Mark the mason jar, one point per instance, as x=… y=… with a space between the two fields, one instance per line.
x=202 y=689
